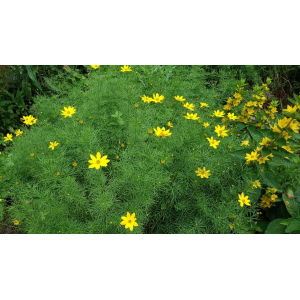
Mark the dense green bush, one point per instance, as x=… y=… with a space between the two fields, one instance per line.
x=55 y=191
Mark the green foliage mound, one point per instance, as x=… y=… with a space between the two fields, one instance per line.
x=55 y=191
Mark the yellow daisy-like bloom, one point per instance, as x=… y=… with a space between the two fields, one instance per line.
x=19 y=132
x=206 y=124
x=170 y=124
x=291 y=109
x=266 y=142
x=203 y=173
x=29 y=120
x=179 y=98
x=219 y=114
x=129 y=221
x=276 y=129
x=8 y=137
x=158 y=98
x=245 y=143
x=146 y=99
x=213 y=143
x=284 y=122
x=68 y=112
x=262 y=160
x=244 y=199
x=162 y=132
x=98 y=161
x=288 y=148
x=16 y=222
x=95 y=67
x=192 y=116
x=203 y=104
x=232 y=116
x=53 y=145
x=294 y=125
x=221 y=131
x=189 y=106
x=251 y=157
x=126 y=69
x=256 y=184
x=150 y=131
x=227 y=106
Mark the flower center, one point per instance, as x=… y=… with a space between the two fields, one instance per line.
x=98 y=162
x=68 y=112
x=129 y=221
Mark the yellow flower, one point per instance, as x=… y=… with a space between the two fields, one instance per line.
x=276 y=129
x=232 y=116
x=95 y=66
x=129 y=221
x=32 y=154
x=294 y=125
x=288 y=148
x=19 y=132
x=203 y=173
x=189 y=106
x=179 y=98
x=203 y=104
x=74 y=164
x=213 y=143
x=205 y=124
x=162 y=161
x=284 y=122
x=245 y=143
x=68 y=112
x=244 y=199
x=266 y=142
x=170 y=124
x=158 y=98
x=58 y=174
x=162 y=132
x=150 y=131
x=53 y=145
x=16 y=222
x=122 y=145
x=251 y=157
x=221 y=131
x=8 y=137
x=219 y=114
x=146 y=99
x=126 y=69
x=286 y=135
x=227 y=106
x=262 y=160
x=291 y=109
x=136 y=105
x=29 y=120
x=98 y=161
x=256 y=184
x=192 y=116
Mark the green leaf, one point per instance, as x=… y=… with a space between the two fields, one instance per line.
x=283 y=161
x=293 y=226
x=269 y=179
x=292 y=206
x=241 y=153
x=31 y=73
x=254 y=195
x=250 y=174
x=275 y=227
x=255 y=133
